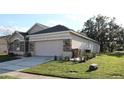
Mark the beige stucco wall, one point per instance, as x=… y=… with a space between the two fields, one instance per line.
x=50 y=43
x=83 y=44
x=3 y=47
x=50 y=36
x=77 y=42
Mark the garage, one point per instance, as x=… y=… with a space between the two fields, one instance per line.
x=48 y=48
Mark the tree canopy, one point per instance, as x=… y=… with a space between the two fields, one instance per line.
x=106 y=31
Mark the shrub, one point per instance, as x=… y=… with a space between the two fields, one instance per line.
x=66 y=58
x=12 y=54
x=28 y=55
x=94 y=55
x=84 y=59
x=88 y=56
x=60 y=58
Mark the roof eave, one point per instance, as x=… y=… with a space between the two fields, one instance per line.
x=83 y=36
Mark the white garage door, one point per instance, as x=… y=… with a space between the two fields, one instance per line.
x=49 y=48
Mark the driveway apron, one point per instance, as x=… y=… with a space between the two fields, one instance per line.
x=20 y=64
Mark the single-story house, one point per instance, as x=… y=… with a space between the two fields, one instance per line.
x=4 y=45
x=41 y=40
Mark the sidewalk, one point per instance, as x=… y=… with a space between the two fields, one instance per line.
x=22 y=75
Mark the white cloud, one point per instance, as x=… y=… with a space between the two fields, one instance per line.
x=6 y=30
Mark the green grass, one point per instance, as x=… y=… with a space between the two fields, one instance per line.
x=4 y=58
x=109 y=67
x=7 y=77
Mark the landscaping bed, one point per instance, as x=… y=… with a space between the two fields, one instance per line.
x=4 y=58
x=109 y=67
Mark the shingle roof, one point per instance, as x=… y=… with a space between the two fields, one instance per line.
x=57 y=28
x=22 y=33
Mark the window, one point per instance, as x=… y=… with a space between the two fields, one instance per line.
x=67 y=45
x=88 y=51
x=16 y=45
x=11 y=47
x=21 y=46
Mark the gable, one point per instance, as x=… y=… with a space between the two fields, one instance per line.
x=16 y=36
x=37 y=27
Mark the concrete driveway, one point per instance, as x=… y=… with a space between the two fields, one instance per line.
x=20 y=64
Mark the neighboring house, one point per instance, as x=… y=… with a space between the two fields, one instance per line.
x=17 y=43
x=18 y=40
x=4 y=45
x=58 y=40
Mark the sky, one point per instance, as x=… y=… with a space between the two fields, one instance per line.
x=23 y=22
x=22 y=14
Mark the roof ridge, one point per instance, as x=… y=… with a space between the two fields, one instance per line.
x=55 y=28
x=40 y=24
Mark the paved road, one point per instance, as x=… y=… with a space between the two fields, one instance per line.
x=20 y=64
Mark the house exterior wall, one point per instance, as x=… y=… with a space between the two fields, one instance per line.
x=34 y=29
x=3 y=47
x=46 y=40
x=18 y=37
x=49 y=44
x=50 y=36
x=84 y=44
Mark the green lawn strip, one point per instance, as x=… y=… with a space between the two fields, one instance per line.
x=4 y=58
x=7 y=77
x=108 y=67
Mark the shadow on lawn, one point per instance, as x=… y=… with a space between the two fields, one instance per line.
x=91 y=70
x=117 y=54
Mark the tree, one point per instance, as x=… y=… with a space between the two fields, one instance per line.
x=104 y=30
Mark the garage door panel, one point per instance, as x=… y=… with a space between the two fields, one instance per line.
x=48 y=48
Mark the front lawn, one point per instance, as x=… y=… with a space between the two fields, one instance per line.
x=7 y=77
x=109 y=66
x=4 y=58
